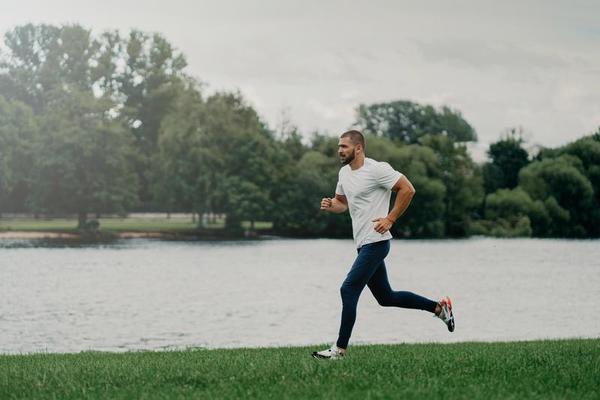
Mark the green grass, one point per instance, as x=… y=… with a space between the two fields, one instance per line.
x=51 y=225
x=146 y=225
x=115 y=225
x=519 y=370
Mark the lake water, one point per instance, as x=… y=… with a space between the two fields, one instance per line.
x=151 y=294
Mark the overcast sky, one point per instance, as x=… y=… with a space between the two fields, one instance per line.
x=534 y=64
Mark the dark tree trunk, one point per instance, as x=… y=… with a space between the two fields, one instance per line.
x=82 y=219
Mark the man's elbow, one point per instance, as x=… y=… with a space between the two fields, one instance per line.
x=408 y=190
x=404 y=187
x=342 y=208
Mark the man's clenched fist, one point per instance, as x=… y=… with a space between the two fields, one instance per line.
x=326 y=203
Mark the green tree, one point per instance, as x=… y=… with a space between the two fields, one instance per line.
x=586 y=153
x=81 y=163
x=463 y=181
x=586 y=149
x=185 y=166
x=41 y=59
x=409 y=122
x=308 y=180
x=425 y=216
x=566 y=192
x=139 y=73
x=217 y=156
x=507 y=157
x=148 y=87
x=244 y=148
x=18 y=134
x=27 y=63
x=512 y=212
x=292 y=144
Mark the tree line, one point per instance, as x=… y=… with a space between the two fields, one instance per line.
x=113 y=123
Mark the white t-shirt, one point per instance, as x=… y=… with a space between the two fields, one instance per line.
x=368 y=190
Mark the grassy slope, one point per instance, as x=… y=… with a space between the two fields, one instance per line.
x=546 y=369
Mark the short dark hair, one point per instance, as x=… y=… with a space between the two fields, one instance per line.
x=355 y=137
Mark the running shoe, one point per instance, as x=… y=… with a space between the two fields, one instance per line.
x=331 y=353
x=446 y=314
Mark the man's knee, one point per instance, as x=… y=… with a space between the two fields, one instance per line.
x=347 y=292
x=384 y=301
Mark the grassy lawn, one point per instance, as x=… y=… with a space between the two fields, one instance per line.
x=519 y=370
x=160 y=224
x=53 y=225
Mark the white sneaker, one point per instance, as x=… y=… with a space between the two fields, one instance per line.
x=446 y=314
x=331 y=353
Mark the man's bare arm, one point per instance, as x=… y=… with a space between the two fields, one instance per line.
x=404 y=194
x=337 y=205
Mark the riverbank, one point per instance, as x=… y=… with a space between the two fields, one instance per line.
x=539 y=369
x=145 y=226
x=75 y=235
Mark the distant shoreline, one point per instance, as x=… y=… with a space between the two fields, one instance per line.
x=67 y=235
x=108 y=235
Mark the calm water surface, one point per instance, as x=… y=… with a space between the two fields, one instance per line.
x=151 y=294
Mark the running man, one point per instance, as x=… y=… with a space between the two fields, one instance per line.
x=365 y=188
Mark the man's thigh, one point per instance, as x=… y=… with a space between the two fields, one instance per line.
x=367 y=262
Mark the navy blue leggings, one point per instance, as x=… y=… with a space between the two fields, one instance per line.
x=369 y=269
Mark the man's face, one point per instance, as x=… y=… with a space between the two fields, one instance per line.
x=346 y=150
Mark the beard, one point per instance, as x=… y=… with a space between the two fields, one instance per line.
x=348 y=159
